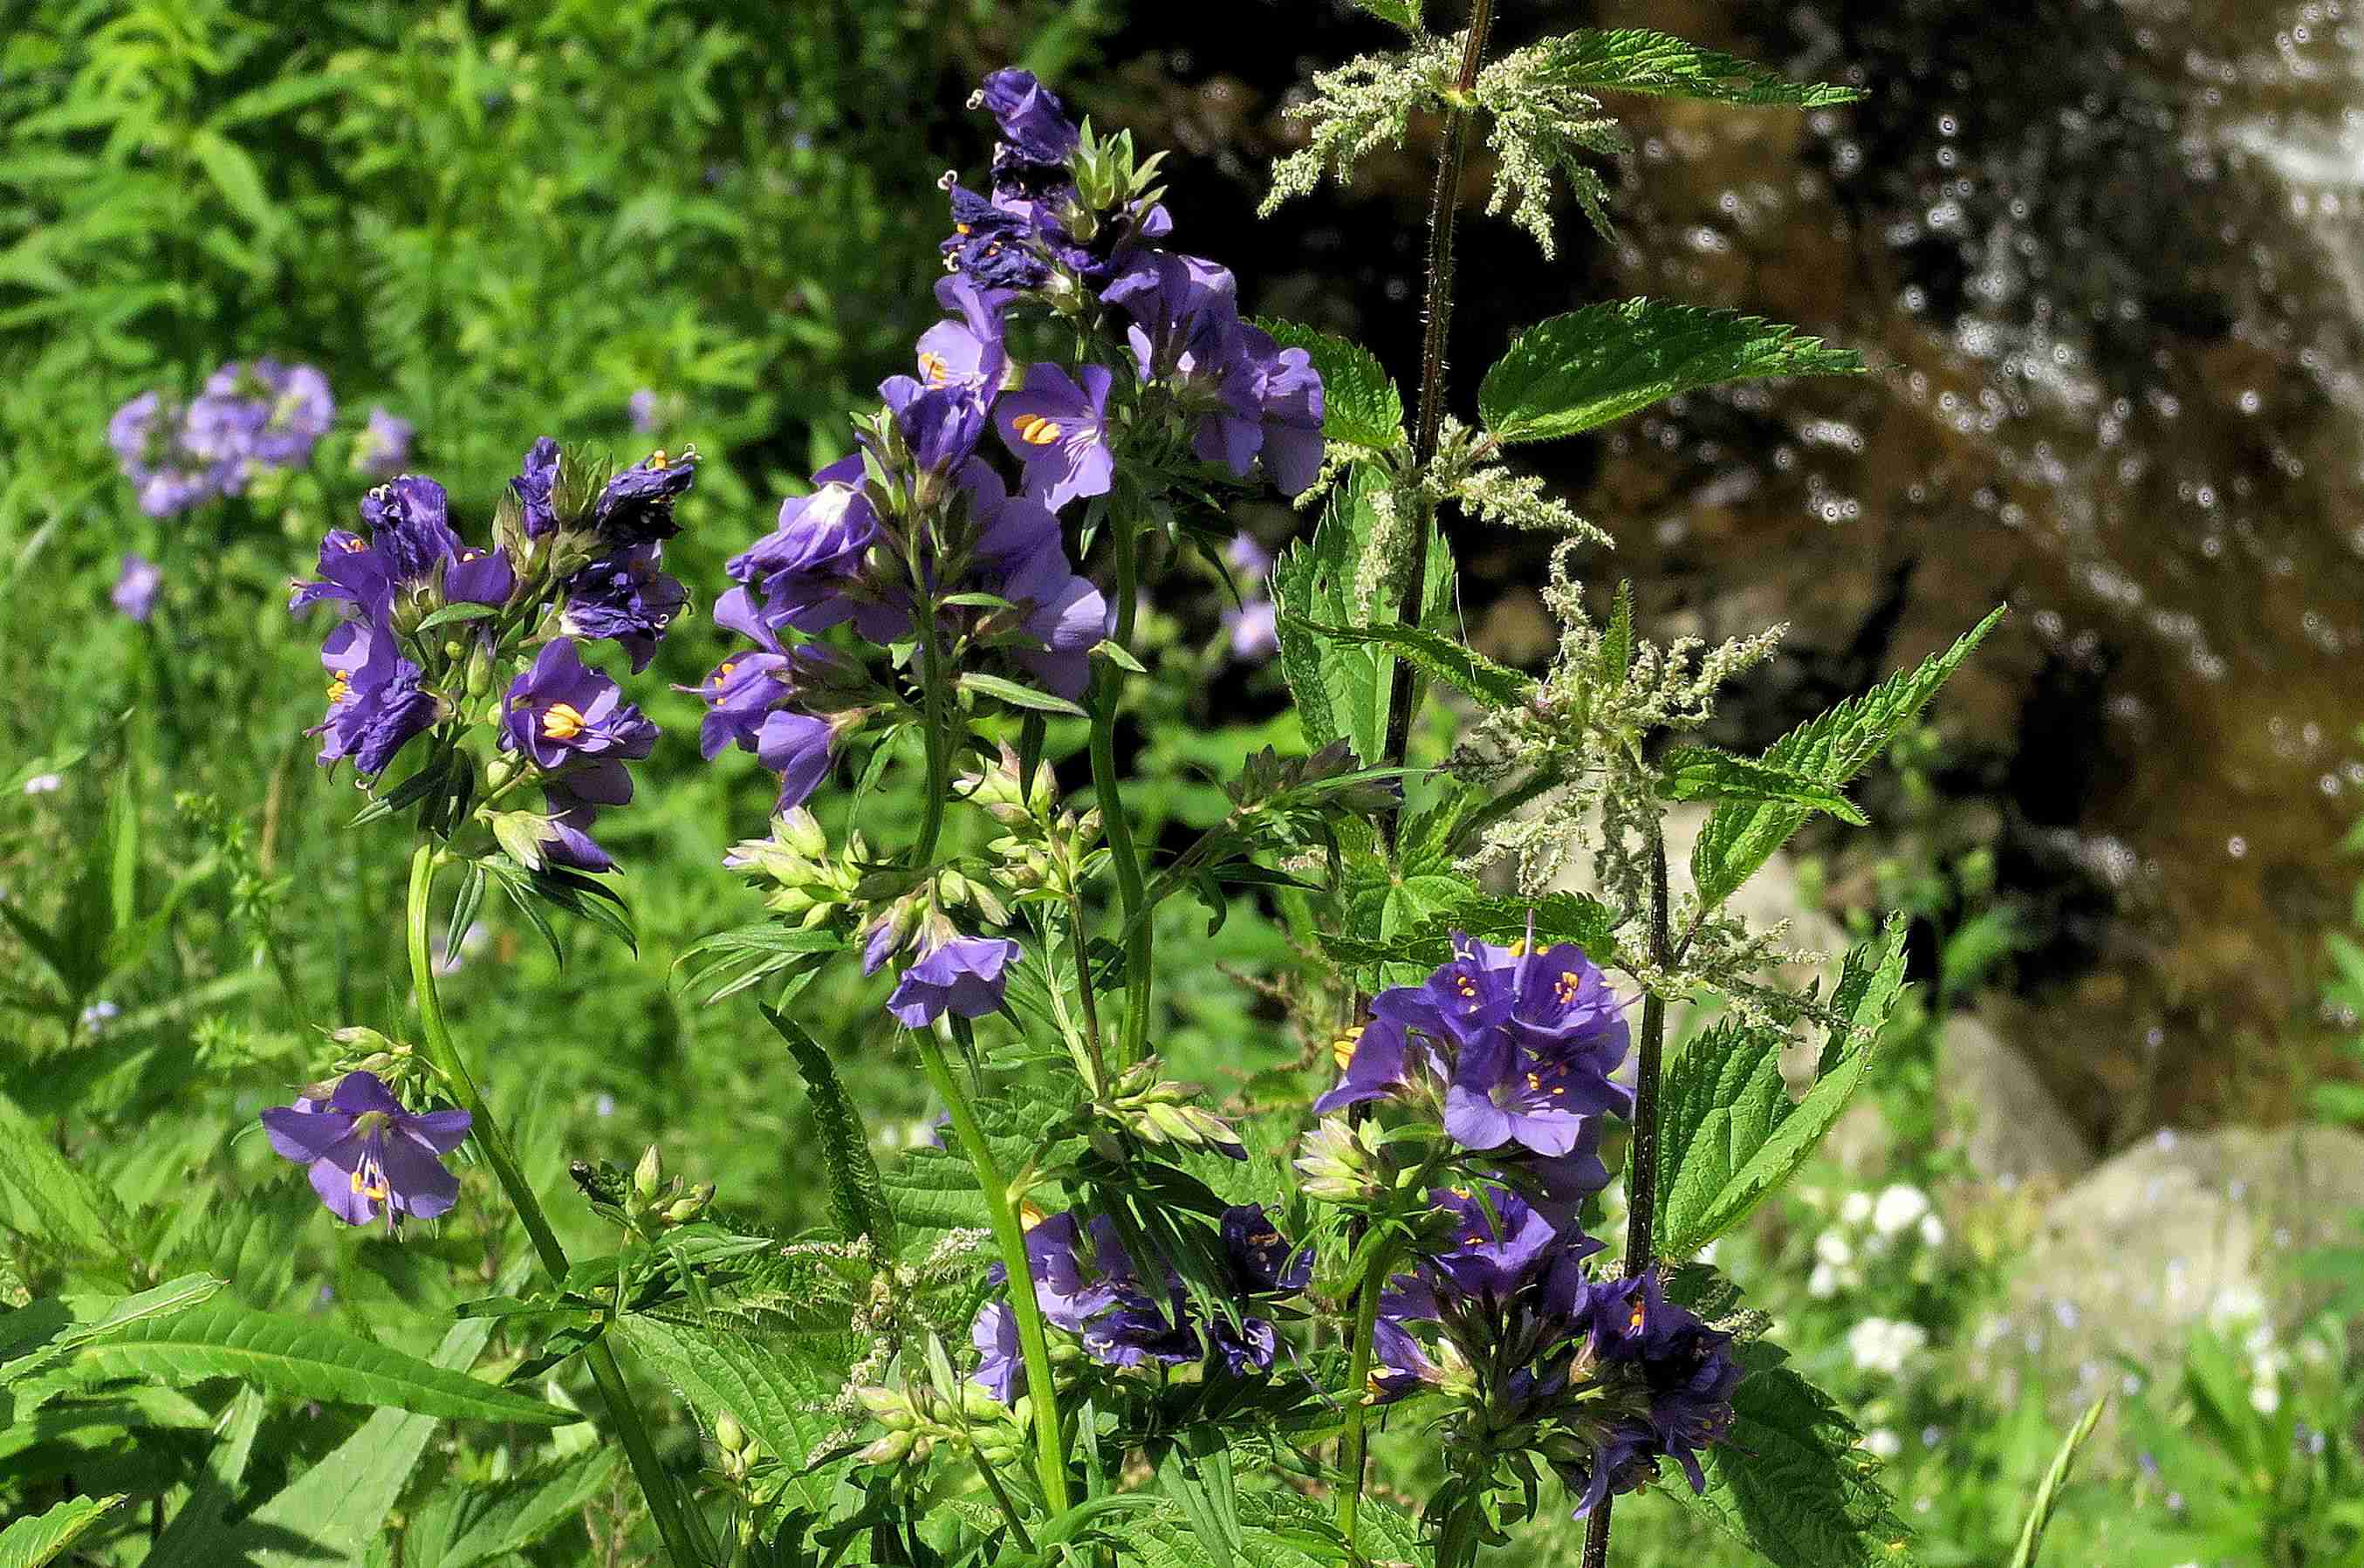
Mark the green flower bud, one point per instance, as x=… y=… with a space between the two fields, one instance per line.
x=648 y=1176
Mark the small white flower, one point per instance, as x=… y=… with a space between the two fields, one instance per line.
x=1831 y=1247
x=1883 y=1442
x=1898 y=1208
x=1884 y=1345
x=1933 y=1230
x=44 y=783
x=1823 y=1283
x=2265 y=1399
x=1857 y=1208
x=1707 y=1253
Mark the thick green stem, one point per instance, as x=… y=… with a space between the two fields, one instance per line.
x=664 y=1503
x=1404 y=689
x=1132 y=888
x=1050 y=1444
x=1353 y=1442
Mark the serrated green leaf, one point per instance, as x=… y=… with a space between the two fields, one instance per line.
x=1339 y=688
x=1728 y=1134
x=195 y=1538
x=1438 y=657
x=1590 y=367
x=51 y=1197
x=1404 y=14
x=1703 y=773
x=1739 y=836
x=296 y=1356
x=326 y=1516
x=1359 y=403
x=856 y=1201
x=466 y=1523
x=42 y=1537
x=1790 y=1481
x=1635 y=59
x=780 y=1395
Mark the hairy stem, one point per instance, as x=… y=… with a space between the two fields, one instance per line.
x=1404 y=690
x=1641 y=1166
x=1353 y=1442
x=1050 y=1444
x=1132 y=889
x=664 y=1503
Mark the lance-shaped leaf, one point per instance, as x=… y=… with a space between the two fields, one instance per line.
x=1438 y=657
x=1703 y=773
x=857 y=1203
x=1741 y=835
x=1728 y=1134
x=38 y=1538
x=1635 y=59
x=1579 y=371
x=1359 y=403
x=780 y=1394
x=1790 y=1480
x=2047 y=1491
x=294 y=1356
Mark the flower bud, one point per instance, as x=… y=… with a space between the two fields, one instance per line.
x=648 y=1176
x=729 y=1435
x=683 y=1210
x=887 y=1407
x=892 y=1448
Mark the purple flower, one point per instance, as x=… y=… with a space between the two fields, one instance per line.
x=624 y=597
x=258 y=415
x=384 y=444
x=366 y=1153
x=1063 y=611
x=1254 y=629
x=636 y=507
x=147 y=438
x=533 y=487
x=1246 y=556
x=1285 y=391
x=963 y=977
x=643 y=408
x=299 y=411
x=1400 y=1366
x=1261 y=1258
x=1000 y=1366
x=1681 y=1372
x=1378 y=1065
x=1185 y=315
x=993 y=246
x=409 y=524
x=1058 y=431
x=135 y=587
x=801 y=747
x=967 y=352
x=798 y=573
x=747 y=704
x=1501 y=1245
x=942 y=423
x=575 y=801
x=561 y=713
x=1033 y=123
x=375 y=703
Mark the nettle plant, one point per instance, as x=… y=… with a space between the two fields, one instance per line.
x=1109 y=1317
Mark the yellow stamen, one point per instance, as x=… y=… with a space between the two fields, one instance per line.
x=1342 y=1048
x=657 y=458
x=341 y=688
x=1031 y=1215
x=352 y=546
x=1633 y=1323
x=1517 y=949
x=366 y=1187
x=934 y=371
x=561 y=721
x=1035 y=431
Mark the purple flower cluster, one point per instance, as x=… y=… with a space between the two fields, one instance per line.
x=1088 y=1285
x=561 y=718
x=1255 y=626
x=368 y=1156
x=252 y=416
x=1604 y=1373
x=1242 y=395
x=1515 y=1049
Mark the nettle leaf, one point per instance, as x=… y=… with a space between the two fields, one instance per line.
x=1337 y=687
x=1428 y=942
x=1728 y=1132
x=294 y=1356
x=1576 y=372
x=1404 y=14
x=856 y=1201
x=466 y=1522
x=37 y=1538
x=1790 y=1479
x=1742 y=836
x=1438 y=657
x=1703 y=773
x=1637 y=60
x=1359 y=403
x=46 y=1195
x=780 y=1393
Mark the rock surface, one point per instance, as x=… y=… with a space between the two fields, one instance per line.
x=2000 y=1114
x=2179 y=1230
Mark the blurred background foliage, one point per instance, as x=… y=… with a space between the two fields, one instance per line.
x=502 y=220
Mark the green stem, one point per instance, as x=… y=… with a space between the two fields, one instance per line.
x=1079 y=935
x=1050 y=1445
x=1008 y=1510
x=1132 y=889
x=1354 y=1441
x=931 y=730
x=665 y=1504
